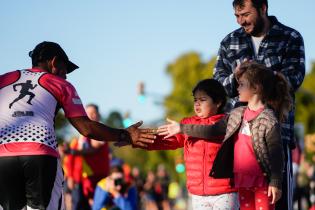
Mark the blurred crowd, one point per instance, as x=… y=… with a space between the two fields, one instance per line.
x=303 y=179
x=121 y=187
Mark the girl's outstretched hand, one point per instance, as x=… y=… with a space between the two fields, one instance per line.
x=275 y=194
x=170 y=129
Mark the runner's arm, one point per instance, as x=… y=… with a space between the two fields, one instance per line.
x=101 y=132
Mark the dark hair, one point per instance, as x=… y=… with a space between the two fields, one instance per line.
x=213 y=89
x=94 y=106
x=258 y=4
x=117 y=169
x=272 y=87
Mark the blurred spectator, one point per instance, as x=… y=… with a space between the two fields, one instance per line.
x=296 y=160
x=94 y=165
x=113 y=192
x=138 y=181
x=73 y=176
x=161 y=188
x=149 y=198
x=68 y=168
x=302 y=190
x=174 y=192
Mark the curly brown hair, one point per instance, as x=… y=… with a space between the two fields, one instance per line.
x=271 y=86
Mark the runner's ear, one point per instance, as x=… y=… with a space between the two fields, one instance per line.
x=53 y=63
x=58 y=66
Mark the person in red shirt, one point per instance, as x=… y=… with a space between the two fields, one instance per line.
x=31 y=173
x=94 y=165
x=199 y=154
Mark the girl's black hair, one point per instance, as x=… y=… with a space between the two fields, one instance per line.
x=213 y=89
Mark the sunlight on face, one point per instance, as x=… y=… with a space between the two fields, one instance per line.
x=249 y=18
x=203 y=105
x=244 y=89
x=92 y=113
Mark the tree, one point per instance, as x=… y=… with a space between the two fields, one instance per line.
x=145 y=160
x=114 y=119
x=185 y=72
x=61 y=126
x=305 y=100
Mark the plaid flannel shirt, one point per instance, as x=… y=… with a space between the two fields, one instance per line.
x=281 y=50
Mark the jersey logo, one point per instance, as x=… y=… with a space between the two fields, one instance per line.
x=25 y=87
x=245 y=129
x=76 y=101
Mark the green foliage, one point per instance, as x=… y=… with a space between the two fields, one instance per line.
x=145 y=160
x=305 y=100
x=185 y=72
x=149 y=160
x=114 y=120
x=61 y=125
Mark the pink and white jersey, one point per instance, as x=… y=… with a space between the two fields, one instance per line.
x=29 y=101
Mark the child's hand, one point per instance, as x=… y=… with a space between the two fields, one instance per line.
x=275 y=193
x=170 y=129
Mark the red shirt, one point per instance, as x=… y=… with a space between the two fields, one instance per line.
x=98 y=162
x=247 y=172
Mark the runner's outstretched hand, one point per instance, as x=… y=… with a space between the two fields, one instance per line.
x=138 y=137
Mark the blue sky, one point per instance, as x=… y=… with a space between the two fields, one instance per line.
x=119 y=43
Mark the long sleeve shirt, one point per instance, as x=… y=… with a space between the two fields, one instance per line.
x=281 y=50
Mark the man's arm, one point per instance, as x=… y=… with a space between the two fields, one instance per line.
x=101 y=132
x=293 y=62
x=224 y=74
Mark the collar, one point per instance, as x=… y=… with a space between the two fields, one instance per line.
x=37 y=69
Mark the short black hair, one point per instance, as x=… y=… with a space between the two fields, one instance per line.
x=94 y=106
x=258 y=4
x=116 y=169
x=213 y=89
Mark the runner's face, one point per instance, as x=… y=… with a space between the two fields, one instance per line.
x=249 y=18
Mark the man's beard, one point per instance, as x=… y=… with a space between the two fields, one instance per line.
x=259 y=27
